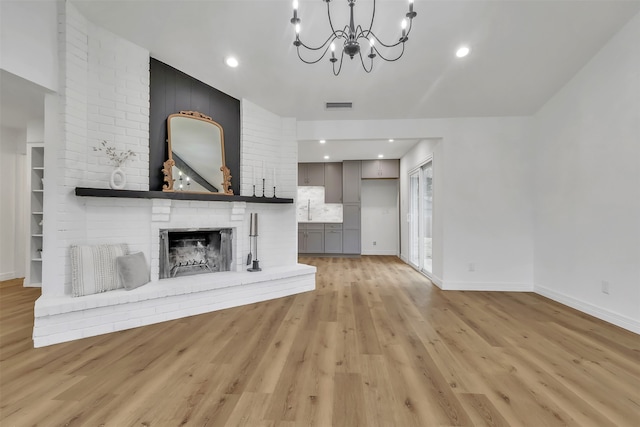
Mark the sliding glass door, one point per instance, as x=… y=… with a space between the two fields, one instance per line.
x=414 y=212
x=421 y=218
x=426 y=216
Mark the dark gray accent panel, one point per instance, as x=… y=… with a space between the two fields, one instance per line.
x=172 y=91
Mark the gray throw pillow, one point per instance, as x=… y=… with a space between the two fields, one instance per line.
x=132 y=270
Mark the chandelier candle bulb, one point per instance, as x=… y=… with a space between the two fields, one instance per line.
x=410 y=5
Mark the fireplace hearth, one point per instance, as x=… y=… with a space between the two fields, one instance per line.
x=185 y=252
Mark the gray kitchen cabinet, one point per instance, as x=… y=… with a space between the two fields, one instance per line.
x=310 y=238
x=311 y=174
x=351 y=181
x=351 y=229
x=302 y=244
x=351 y=216
x=380 y=169
x=333 y=182
x=333 y=238
x=351 y=241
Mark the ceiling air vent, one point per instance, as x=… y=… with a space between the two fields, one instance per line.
x=338 y=105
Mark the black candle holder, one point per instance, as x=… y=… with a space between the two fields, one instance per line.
x=263 y=183
x=274 y=192
x=254 y=190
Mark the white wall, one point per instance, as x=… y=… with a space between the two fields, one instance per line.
x=12 y=203
x=487 y=205
x=379 y=217
x=269 y=138
x=418 y=155
x=28 y=40
x=482 y=194
x=587 y=186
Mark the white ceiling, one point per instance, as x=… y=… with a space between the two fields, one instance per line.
x=522 y=53
x=339 y=150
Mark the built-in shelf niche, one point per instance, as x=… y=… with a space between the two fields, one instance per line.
x=35 y=185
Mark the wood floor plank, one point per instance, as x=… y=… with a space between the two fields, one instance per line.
x=376 y=344
x=348 y=406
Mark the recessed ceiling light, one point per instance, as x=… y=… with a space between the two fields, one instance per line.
x=232 y=62
x=322 y=141
x=462 y=52
x=380 y=156
x=391 y=140
x=326 y=157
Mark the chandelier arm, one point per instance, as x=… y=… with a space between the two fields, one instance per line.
x=335 y=73
x=324 y=45
x=373 y=15
x=312 y=61
x=371 y=33
x=330 y=22
x=363 y=65
x=390 y=59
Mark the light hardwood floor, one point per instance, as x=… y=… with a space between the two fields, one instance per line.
x=375 y=345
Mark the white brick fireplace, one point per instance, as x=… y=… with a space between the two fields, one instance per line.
x=105 y=95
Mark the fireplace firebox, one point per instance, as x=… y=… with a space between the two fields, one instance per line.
x=185 y=252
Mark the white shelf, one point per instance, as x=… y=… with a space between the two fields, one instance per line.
x=35 y=238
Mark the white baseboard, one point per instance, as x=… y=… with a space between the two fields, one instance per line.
x=486 y=286
x=436 y=281
x=380 y=252
x=588 y=308
x=7 y=276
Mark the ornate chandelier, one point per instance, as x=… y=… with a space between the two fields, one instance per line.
x=351 y=36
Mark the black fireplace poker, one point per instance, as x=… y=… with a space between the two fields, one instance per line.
x=253 y=241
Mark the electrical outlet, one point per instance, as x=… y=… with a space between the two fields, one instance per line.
x=374 y=243
x=605 y=287
x=472 y=266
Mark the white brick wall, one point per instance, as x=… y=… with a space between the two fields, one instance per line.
x=271 y=139
x=105 y=96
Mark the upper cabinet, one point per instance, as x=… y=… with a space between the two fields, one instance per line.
x=333 y=182
x=311 y=174
x=351 y=181
x=376 y=169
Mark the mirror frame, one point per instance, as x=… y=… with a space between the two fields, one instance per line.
x=167 y=166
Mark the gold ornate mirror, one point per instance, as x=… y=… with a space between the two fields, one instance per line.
x=196 y=155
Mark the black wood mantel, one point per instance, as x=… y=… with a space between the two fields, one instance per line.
x=176 y=195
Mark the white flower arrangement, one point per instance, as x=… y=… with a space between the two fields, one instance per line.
x=118 y=158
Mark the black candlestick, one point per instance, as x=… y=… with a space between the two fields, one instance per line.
x=254 y=190
x=274 y=191
x=263 y=182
